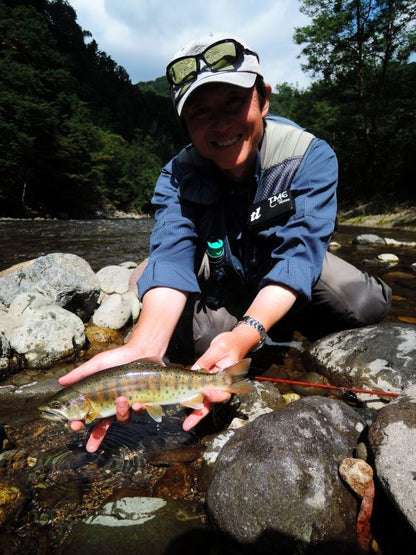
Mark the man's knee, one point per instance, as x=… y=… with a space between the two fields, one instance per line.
x=369 y=302
x=349 y=296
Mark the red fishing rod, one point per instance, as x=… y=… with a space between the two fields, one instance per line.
x=326 y=386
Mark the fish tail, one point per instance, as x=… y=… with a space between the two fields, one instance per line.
x=239 y=372
x=239 y=369
x=241 y=386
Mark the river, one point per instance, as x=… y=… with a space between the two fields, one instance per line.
x=104 y=242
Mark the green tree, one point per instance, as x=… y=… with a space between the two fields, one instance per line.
x=360 y=52
x=75 y=133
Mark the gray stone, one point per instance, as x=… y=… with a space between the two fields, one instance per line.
x=114 y=279
x=40 y=331
x=264 y=399
x=379 y=357
x=393 y=441
x=369 y=239
x=276 y=481
x=114 y=312
x=66 y=279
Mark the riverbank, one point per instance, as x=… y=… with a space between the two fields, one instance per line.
x=365 y=215
x=400 y=217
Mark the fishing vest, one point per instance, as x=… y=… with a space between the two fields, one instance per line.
x=283 y=148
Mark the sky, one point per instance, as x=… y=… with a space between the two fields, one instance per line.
x=143 y=35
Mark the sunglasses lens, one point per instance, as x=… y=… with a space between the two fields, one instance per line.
x=183 y=70
x=221 y=55
x=218 y=57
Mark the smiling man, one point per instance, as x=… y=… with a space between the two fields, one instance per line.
x=243 y=219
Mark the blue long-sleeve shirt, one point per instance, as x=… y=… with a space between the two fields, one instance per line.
x=194 y=202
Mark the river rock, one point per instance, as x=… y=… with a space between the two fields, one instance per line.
x=275 y=484
x=66 y=279
x=11 y=501
x=102 y=339
x=41 y=332
x=356 y=473
x=4 y=351
x=388 y=258
x=114 y=279
x=392 y=439
x=369 y=239
x=116 y=310
x=264 y=399
x=148 y=525
x=377 y=357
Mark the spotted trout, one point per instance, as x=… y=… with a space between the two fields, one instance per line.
x=146 y=382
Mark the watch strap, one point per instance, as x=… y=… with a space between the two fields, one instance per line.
x=257 y=326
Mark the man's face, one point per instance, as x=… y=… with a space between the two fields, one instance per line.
x=225 y=123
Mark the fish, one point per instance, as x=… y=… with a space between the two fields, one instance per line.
x=144 y=381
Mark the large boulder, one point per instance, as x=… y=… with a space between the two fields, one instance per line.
x=379 y=357
x=66 y=279
x=392 y=438
x=41 y=332
x=275 y=484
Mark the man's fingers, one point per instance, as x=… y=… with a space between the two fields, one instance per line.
x=216 y=396
x=196 y=416
x=122 y=410
x=98 y=434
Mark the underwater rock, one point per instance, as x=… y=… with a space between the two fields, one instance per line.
x=101 y=339
x=147 y=525
x=175 y=482
x=11 y=501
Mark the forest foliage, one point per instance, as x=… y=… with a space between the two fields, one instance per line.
x=78 y=138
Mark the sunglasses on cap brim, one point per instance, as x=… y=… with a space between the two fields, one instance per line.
x=220 y=56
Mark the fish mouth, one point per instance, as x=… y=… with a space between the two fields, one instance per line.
x=52 y=414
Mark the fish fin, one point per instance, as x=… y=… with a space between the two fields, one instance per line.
x=239 y=369
x=155 y=411
x=91 y=416
x=241 y=386
x=195 y=402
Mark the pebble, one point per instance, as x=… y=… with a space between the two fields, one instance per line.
x=357 y=473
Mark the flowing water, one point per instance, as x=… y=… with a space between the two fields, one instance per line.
x=104 y=242
x=63 y=483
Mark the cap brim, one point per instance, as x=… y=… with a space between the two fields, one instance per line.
x=239 y=78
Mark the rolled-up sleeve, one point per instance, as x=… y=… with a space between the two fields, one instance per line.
x=172 y=242
x=301 y=243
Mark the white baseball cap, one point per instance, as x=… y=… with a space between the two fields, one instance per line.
x=242 y=71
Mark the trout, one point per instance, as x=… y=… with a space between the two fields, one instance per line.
x=143 y=381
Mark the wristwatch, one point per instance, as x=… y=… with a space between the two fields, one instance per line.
x=257 y=326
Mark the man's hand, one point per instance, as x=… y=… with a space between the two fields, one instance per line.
x=106 y=359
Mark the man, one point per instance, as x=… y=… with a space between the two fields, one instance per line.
x=263 y=191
